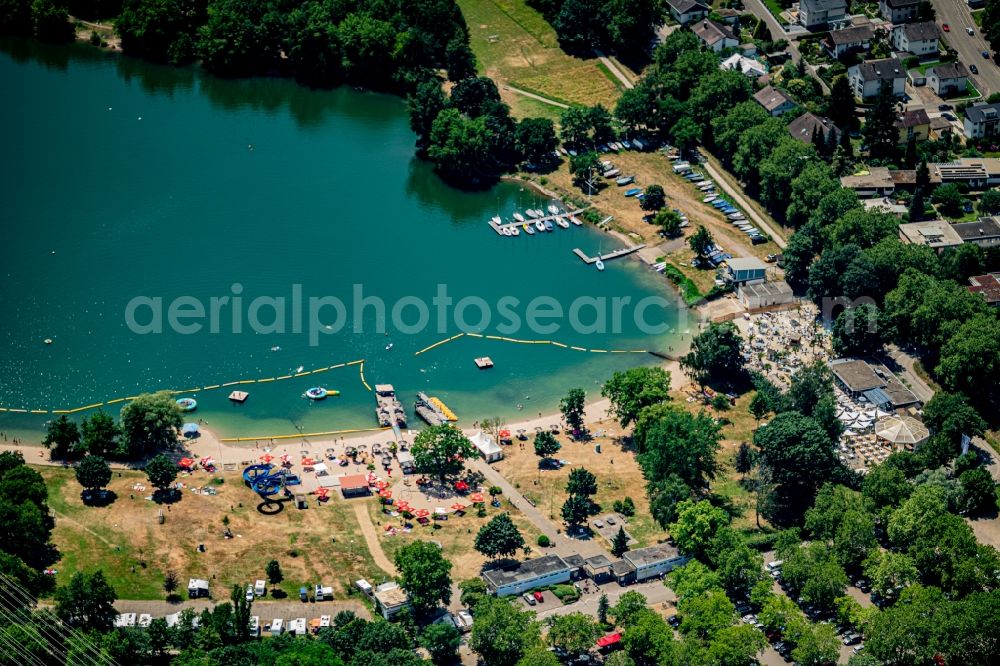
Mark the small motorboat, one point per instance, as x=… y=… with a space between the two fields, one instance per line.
x=599 y=264
x=625 y=180
x=549 y=226
x=496 y=219
x=611 y=173
x=554 y=209
x=561 y=221
x=539 y=225
x=575 y=220
x=532 y=213
x=710 y=198
x=187 y=404
x=316 y=393
x=518 y=217
x=275 y=348
x=388 y=346
x=514 y=231
x=504 y=231
x=632 y=191
x=529 y=229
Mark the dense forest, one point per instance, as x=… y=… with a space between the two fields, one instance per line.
x=624 y=26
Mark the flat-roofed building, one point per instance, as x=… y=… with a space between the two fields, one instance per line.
x=988 y=286
x=935 y=234
x=527 y=575
x=985 y=232
x=653 y=561
x=390 y=599
x=765 y=294
x=741 y=270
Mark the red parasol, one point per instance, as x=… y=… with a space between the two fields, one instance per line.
x=308 y=462
x=185 y=462
x=421 y=513
x=385 y=493
x=458 y=507
x=266 y=458
x=403 y=505
x=505 y=434
x=381 y=485
x=461 y=486
x=477 y=498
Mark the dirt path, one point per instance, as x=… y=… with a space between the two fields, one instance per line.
x=613 y=68
x=371 y=538
x=543 y=100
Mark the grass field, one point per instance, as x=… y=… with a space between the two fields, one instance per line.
x=134 y=551
x=515 y=46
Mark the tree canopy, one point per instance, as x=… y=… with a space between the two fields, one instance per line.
x=441 y=451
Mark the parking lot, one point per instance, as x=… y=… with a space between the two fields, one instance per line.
x=607 y=526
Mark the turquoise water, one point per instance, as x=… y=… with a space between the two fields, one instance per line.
x=121 y=179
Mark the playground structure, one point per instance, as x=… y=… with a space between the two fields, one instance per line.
x=267 y=481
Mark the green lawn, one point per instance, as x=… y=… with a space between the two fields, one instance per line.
x=977 y=17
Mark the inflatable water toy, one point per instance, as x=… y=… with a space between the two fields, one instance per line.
x=187 y=404
x=316 y=393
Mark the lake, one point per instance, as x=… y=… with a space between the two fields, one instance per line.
x=135 y=194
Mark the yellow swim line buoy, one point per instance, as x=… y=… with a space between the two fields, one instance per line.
x=554 y=343
x=238 y=382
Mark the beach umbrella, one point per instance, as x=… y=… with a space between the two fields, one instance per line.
x=440 y=511
x=403 y=505
x=308 y=461
x=266 y=458
x=385 y=494
x=189 y=429
x=461 y=486
x=421 y=513
x=477 y=498
x=505 y=434
x=185 y=462
x=458 y=507
x=381 y=485
x=902 y=430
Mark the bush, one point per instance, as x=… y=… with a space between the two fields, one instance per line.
x=544 y=541
x=496 y=490
x=625 y=507
x=565 y=593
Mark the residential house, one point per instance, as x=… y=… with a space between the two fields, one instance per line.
x=808 y=124
x=948 y=80
x=686 y=11
x=913 y=123
x=985 y=232
x=982 y=120
x=935 y=234
x=899 y=11
x=527 y=575
x=754 y=69
x=988 y=286
x=920 y=39
x=774 y=101
x=878 y=182
x=714 y=36
x=849 y=40
x=977 y=173
x=941 y=128
x=866 y=78
x=816 y=15
x=391 y=599
x=744 y=270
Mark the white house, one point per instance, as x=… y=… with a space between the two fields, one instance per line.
x=714 y=36
x=686 y=11
x=849 y=40
x=754 y=69
x=774 y=101
x=920 y=39
x=948 y=80
x=866 y=78
x=815 y=15
x=982 y=120
x=488 y=448
x=390 y=599
x=899 y=11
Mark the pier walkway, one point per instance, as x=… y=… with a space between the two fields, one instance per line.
x=498 y=227
x=610 y=255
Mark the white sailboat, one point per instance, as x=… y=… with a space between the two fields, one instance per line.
x=599 y=264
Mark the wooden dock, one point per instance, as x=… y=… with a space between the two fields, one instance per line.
x=548 y=218
x=610 y=255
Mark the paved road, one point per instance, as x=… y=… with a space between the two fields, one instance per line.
x=655 y=592
x=915 y=383
x=736 y=194
x=956 y=14
x=777 y=32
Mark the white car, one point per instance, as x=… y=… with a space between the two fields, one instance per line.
x=529 y=599
x=970 y=31
x=598 y=524
x=250 y=593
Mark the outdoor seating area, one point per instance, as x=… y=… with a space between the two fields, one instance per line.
x=782 y=342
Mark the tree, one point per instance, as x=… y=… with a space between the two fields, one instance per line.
x=99 y=434
x=970 y=361
x=274 y=573
x=716 y=355
x=499 y=537
x=814 y=182
x=696 y=525
x=603 y=606
x=575 y=510
x=951 y=416
x=574 y=633
x=441 y=451
x=669 y=221
x=441 y=640
x=778 y=169
x=675 y=441
x=575 y=124
x=161 y=471
x=948 y=199
x=648 y=640
x=546 y=445
x=87 y=602
x=734 y=646
x=473 y=591
x=461 y=148
x=149 y=423
x=739 y=566
x=572 y=407
x=170 y=582
x=423 y=106
x=314 y=50
x=632 y=390
x=473 y=95
x=880 y=131
x=840 y=104
x=583 y=167
x=627 y=609
x=93 y=473
x=888 y=571
x=536 y=140
x=705 y=614
x=62 y=437
x=241 y=614
x=701 y=241
x=619 y=544
x=655 y=198
x=727 y=129
x=759 y=407
x=856 y=331
x=979 y=492
x=502 y=633
x=425 y=575
x=664 y=498
x=989 y=202
x=818 y=644
x=539 y=655
x=459 y=58
x=743 y=461
x=962 y=262
x=581 y=482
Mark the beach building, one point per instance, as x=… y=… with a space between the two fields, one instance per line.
x=598 y=568
x=874 y=382
x=816 y=15
x=487 y=446
x=866 y=78
x=899 y=11
x=764 y=294
x=982 y=120
x=686 y=11
x=197 y=588
x=354 y=485
x=527 y=575
x=935 y=234
x=988 y=286
x=985 y=232
x=645 y=563
x=714 y=36
x=809 y=124
x=901 y=431
x=774 y=101
x=406 y=462
x=743 y=270
x=920 y=39
x=855 y=39
x=390 y=599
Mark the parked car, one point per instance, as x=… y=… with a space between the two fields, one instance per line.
x=986 y=55
x=970 y=31
x=946 y=27
x=598 y=524
x=771 y=258
x=973 y=68
x=944 y=107
x=674 y=621
x=858 y=648
x=250 y=594
x=851 y=639
x=611 y=520
x=529 y=599
x=538 y=596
